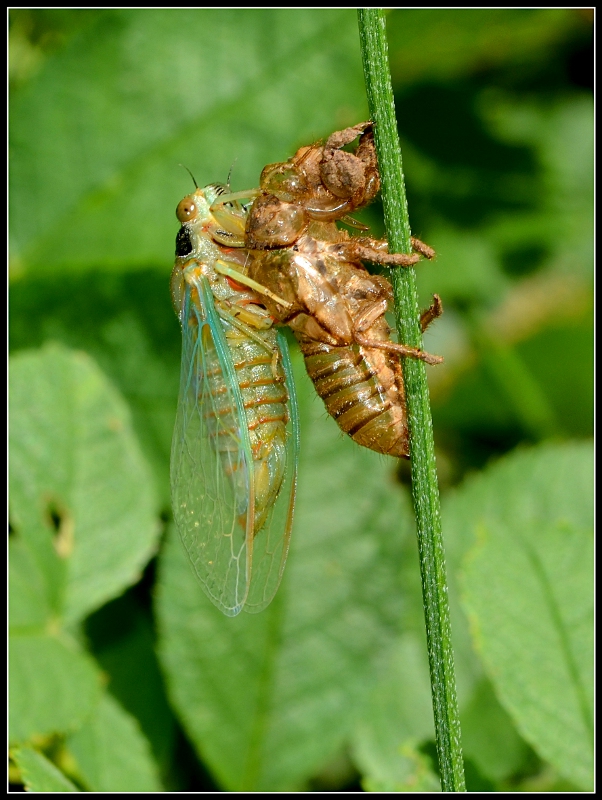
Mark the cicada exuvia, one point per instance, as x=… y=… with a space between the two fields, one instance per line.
x=336 y=308
x=337 y=312
x=236 y=440
x=320 y=183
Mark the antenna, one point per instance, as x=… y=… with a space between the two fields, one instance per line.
x=230 y=172
x=191 y=175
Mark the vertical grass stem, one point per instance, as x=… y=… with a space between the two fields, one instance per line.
x=425 y=489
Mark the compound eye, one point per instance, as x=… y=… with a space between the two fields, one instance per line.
x=187 y=209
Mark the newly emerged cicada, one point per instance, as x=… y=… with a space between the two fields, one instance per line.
x=236 y=440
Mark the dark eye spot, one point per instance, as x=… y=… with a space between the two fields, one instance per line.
x=183 y=243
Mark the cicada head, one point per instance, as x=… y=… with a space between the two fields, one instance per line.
x=202 y=217
x=193 y=212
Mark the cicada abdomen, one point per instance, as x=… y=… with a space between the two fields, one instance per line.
x=262 y=383
x=235 y=446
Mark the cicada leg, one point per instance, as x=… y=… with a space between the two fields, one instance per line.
x=431 y=313
x=253 y=321
x=369 y=315
x=377 y=252
x=222 y=267
x=231 y=197
x=339 y=139
x=401 y=349
x=422 y=248
x=376 y=310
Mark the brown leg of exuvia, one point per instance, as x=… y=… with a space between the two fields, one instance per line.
x=363 y=248
x=356 y=250
x=432 y=312
x=401 y=349
x=339 y=139
x=422 y=248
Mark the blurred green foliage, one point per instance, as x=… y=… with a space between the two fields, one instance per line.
x=328 y=686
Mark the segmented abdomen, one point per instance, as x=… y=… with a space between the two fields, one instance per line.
x=363 y=390
x=260 y=378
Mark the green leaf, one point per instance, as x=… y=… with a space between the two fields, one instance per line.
x=415 y=774
x=53 y=686
x=126 y=322
x=489 y=738
x=561 y=134
x=39 y=774
x=101 y=129
x=268 y=698
x=37 y=581
x=398 y=714
x=75 y=463
x=75 y=467
x=528 y=594
x=122 y=638
x=111 y=752
x=447 y=43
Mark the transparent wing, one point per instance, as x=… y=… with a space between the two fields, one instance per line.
x=211 y=460
x=271 y=542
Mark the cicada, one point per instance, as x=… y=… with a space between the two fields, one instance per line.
x=236 y=439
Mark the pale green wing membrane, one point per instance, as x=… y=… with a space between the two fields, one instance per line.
x=211 y=460
x=271 y=543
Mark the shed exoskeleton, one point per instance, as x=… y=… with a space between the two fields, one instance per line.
x=335 y=307
x=320 y=183
x=337 y=312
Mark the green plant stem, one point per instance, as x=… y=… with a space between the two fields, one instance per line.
x=425 y=489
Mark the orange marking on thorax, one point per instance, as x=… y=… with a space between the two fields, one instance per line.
x=238 y=287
